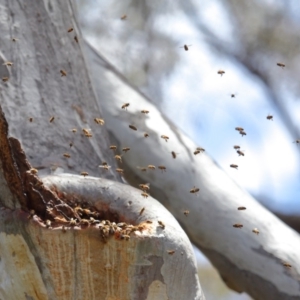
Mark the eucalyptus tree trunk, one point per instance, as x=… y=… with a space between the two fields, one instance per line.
x=72 y=236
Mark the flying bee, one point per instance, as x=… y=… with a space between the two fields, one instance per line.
x=142 y=210
x=144 y=187
x=99 y=121
x=67 y=155
x=162 y=168
x=221 y=72
x=165 y=137
x=287 y=265
x=14 y=39
x=132 y=127
x=125 y=105
x=33 y=171
x=146 y=134
x=30 y=119
x=120 y=171
x=186 y=212
x=237 y=225
x=197 y=152
x=71 y=145
x=8 y=64
x=118 y=158
x=194 y=190
x=74 y=130
x=84 y=174
x=241 y=208
x=200 y=149
x=105 y=167
x=234 y=166
x=63 y=73
x=48 y=223
x=70 y=29
x=297 y=141
x=113 y=147
x=281 y=65
x=145 y=111
x=5 y=79
x=125 y=149
x=143 y=169
x=239 y=129
x=236 y=147
x=240 y=153
x=256 y=231
x=124 y=17
x=149 y=222
x=76 y=38
x=51 y=119
x=86 y=132
x=174 y=154
x=186 y=47
x=145 y=195
x=242 y=133
x=151 y=167
x=171 y=252
x=161 y=224
x=269 y=117
x=233 y=95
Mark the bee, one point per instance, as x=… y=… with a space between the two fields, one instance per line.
x=76 y=38
x=240 y=153
x=233 y=95
x=143 y=169
x=197 y=152
x=162 y=168
x=63 y=73
x=73 y=222
x=113 y=147
x=221 y=72
x=149 y=222
x=145 y=195
x=67 y=155
x=86 y=132
x=287 y=265
x=165 y=137
x=105 y=167
x=118 y=158
x=161 y=224
x=242 y=133
x=239 y=129
x=125 y=105
x=84 y=222
x=281 y=65
x=125 y=237
x=236 y=147
x=8 y=64
x=297 y=141
x=269 y=117
x=125 y=149
x=99 y=121
x=70 y=29
x=186 y=212
x=84 y=174
x=124 y=17
x=30 y=119
x=151 y=167
x=132 y=127
x=14 y=39
x=5 y=79
x=48 y=223
x=200 y=149
x=194 y=190
x=174 y=155
x=234 y=166
x=186 y=47
x=146 y=135
x=120 y=171
x=51 y=119
x=142 y=210
x=255 y=230
x=144 y=187
x=171 y=252
x=71 y=145
x=241 y=208
x=74 y=130
x=145 y=111
x=33 y=171
x=237 y=225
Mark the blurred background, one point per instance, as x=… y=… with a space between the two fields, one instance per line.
x=144 y=40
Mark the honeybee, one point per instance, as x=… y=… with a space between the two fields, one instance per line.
x=242 y=133
x=174 y=155
x=287 y=265
x=71 y=145
x=84 y=174
x=73 y=222
x=171 y=252
x=8 y=64
x=106 y=167
x=233 y=95
x=240 y=153
x=161 y=224
x=146 y=135
x=200 y=149
x=149 y=222
x=239 y=129
x=132 y=127
x=120 y=171
x=144 y=187
x=63 y=73
x=197 y=152
x=30 y=119
x=186 y=47
x=48 y=223
x=145 y=195
x=234 y=166
x=74 y=130
x=67 y=155
x=70 y=29
x=221 y=72
x=255 y=230
x=145 y=111
x=186 y=212
x=125 y=149
x=297 y=141
x=76 y=38
x=124 y=17
x=125 y=105
x=241 y=208
x=236 y=147
x=113 y=147
x=143 y=169
x=99 y=121
x=51 y=119
x=86 y=132
x=5 y=79
x=142 y=210
x=237 y=225
x=33 y=171
x=281 y=65
x=269 y=117
x=165 y=137
x=14 y=39
x=194 y=190
x=118 y=158
x=162 y=168
x=151 y=167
